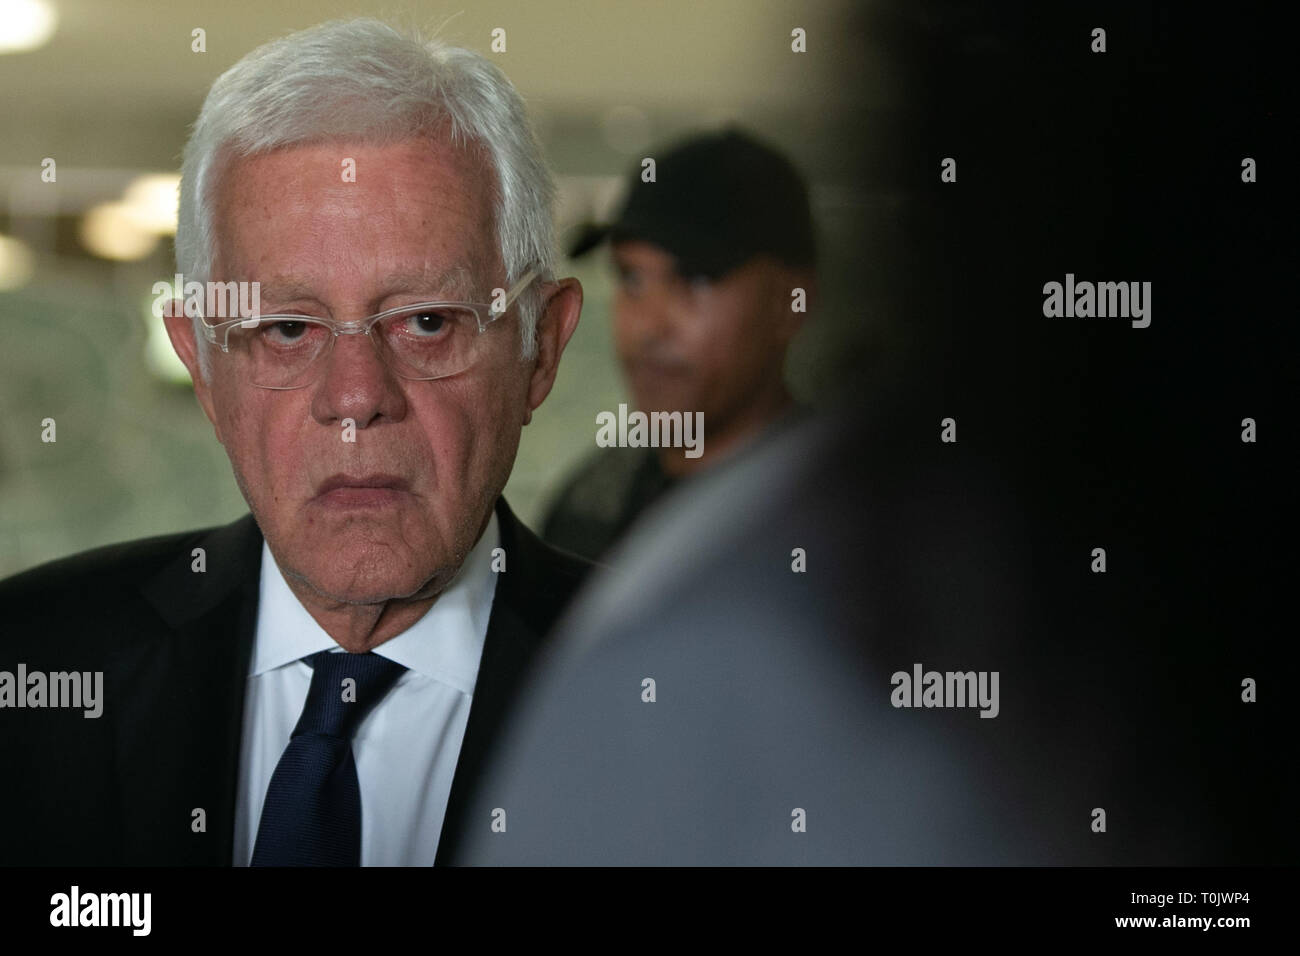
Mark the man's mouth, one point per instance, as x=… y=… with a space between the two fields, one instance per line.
x=365 y=491
x=652 y=368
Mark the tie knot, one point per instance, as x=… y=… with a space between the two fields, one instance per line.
x=344 y=687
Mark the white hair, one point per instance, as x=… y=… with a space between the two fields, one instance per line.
x=363 y=78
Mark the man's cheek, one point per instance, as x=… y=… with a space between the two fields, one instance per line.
x=235 y=435
x=249 y=446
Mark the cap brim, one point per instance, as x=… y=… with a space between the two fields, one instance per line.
x=694 y=256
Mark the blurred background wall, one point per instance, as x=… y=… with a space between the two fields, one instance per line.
x=108 y=91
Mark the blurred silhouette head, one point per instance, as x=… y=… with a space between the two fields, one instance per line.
x=709 y=252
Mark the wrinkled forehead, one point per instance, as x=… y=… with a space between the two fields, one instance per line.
x=433 y=234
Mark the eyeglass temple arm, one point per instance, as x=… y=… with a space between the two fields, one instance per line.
x=516 y=289
x=210 y=331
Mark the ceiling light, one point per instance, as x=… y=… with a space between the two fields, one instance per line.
x=16 y=263
x=26 y=24
x=154 y=201
x=112 y=230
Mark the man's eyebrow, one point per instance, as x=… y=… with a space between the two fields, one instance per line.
x=455 y=283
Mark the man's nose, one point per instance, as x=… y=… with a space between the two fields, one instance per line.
x=355 y=383
x=657 y=315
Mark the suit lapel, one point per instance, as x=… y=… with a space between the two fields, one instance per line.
x=181 y=696
x=530 y=594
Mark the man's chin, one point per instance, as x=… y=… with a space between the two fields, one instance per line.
x=363 y=559
x=370 y=580
x=357 y=520
x=663 y=399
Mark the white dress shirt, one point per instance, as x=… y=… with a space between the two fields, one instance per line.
x=407 y=747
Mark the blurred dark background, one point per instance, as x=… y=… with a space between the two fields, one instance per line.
x=1117 y=166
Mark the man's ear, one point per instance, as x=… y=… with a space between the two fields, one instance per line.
x=180 y=329
x=554 y=329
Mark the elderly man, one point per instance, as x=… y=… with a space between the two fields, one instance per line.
x=319 y=682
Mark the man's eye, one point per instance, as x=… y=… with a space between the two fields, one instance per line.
x=426 y=323
x=286 y=331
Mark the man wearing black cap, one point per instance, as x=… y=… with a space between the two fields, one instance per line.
x=711 y=252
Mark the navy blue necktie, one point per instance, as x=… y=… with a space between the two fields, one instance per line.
x=312 y=812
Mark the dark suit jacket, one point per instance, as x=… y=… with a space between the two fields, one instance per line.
x=174 y=647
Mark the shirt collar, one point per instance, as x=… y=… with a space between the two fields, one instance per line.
x=445 y=644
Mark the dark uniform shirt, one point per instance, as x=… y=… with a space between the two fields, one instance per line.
x=611 y=489
x=603 y=498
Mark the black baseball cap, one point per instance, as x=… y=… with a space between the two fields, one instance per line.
x=718 y=200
